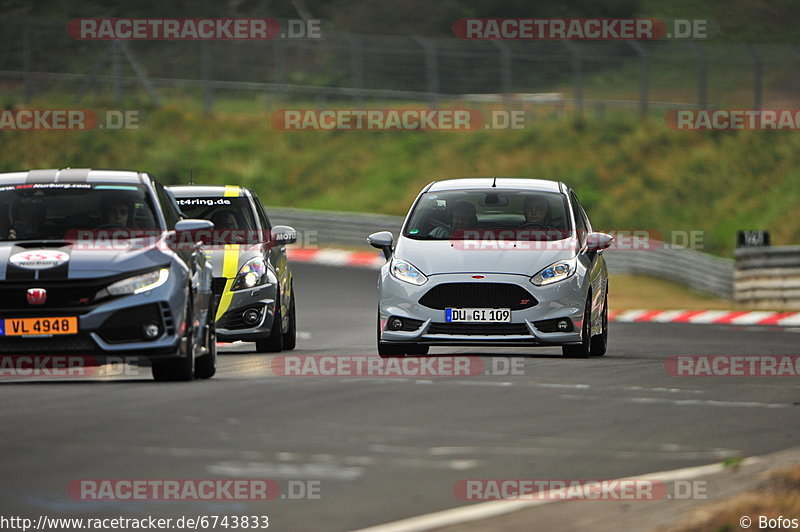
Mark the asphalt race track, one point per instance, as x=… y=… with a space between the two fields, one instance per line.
x=387 y=448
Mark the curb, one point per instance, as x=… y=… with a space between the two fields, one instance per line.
x=374 y=261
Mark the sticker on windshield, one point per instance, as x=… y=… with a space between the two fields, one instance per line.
x=39 y=260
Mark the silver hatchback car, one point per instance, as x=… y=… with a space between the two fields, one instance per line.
x=493 y=261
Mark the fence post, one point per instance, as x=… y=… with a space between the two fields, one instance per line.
x=431 y=68
x=757 y=64
x=702 y=75
x=27 y=88
x=117 y=70
x=205 y=67
x=356 y=69
x=644 y=68
x=577 y=75
x=505 y=67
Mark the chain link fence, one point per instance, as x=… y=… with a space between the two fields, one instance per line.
x=39 y=59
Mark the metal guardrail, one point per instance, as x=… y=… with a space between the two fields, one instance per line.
x=768 y=277
x=697 y=270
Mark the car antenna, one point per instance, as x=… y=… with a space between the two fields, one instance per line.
x=191 y=177
x=494 y=183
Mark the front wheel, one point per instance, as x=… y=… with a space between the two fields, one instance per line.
x=179 y=368
x=274 y=342
x=290 y=337
x=600 y=342
x=206 y=365
x=582 y=349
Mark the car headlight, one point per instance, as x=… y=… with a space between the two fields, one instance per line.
x=558 y=271
x=406 y=272
x=252 y=273
x=137 y=284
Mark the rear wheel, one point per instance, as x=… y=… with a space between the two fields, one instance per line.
x=290 y=337
x=274 y=342
x=179 y=368
x=582 y=349
x=600 y=342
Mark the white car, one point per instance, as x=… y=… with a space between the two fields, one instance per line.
x=493 y=261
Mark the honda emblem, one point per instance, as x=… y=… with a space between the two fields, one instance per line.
x=37 y=296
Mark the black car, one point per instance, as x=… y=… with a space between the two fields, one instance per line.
x=252 y=278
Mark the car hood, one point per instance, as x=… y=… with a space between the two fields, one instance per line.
x=18 y=261
x=235 y=254
x=434 y=257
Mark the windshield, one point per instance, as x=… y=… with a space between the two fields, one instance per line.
x=489 y=213
x=53 y=211
x=226 y=213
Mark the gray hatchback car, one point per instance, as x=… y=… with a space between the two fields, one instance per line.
x=99 y=265
x=491 y=261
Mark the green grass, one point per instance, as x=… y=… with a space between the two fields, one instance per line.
x=630 y=173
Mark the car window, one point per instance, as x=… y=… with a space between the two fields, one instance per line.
x=455 y=214
x=581 y=221
x=224 y=212
x=57 y=210
x=171 y=213
x=262 y=215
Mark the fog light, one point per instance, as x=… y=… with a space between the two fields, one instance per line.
x=151 y=330
x=563 y=325
x=395 y=324
x=251 y=316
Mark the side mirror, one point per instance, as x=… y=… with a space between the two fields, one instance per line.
x=283 y=234
x=198 y=228
x=382 y=240
x=598 y=241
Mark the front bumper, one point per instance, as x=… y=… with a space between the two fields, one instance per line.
x=111 y=330
x=561 y=300
x=231 y=325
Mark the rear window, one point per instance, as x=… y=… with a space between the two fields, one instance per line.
x=226 y=213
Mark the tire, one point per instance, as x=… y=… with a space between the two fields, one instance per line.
x=386 y=350
x=179 y=368
x=290 y=337
x=600 y=342
x=274 y=342
x=583 y=349
x=206 y=365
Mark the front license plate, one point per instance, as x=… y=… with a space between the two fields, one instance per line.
x=39 y=326
x=480 y=315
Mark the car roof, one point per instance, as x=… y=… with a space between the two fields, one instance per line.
x=539 y=185
x=208 y=191
x=73 y=175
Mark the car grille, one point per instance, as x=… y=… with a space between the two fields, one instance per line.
x=125 y=325
x=61 y=344
x=478 y=295
x=67 y=294
x=236 y=320
x=480 y=329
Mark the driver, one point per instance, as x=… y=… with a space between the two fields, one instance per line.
x=536 y=210
x=117 y=213
x=26 y=220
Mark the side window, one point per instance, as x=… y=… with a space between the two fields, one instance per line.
x=262 y=216
x=168 y=206
x=581 y=223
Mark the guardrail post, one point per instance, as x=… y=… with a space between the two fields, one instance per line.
x=577 y=76
x=431 y=68
x=757 y=64
x=644 y=67
x=702 y=75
